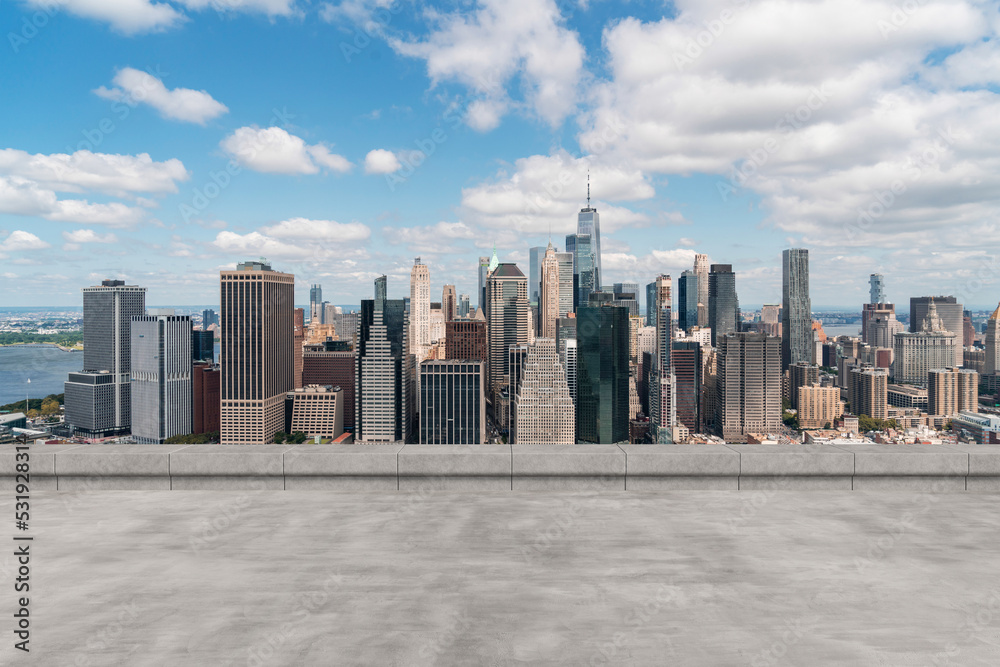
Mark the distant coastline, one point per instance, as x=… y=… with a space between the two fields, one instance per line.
x=78 y=348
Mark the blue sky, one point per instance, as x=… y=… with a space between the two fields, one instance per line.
x=119 y=113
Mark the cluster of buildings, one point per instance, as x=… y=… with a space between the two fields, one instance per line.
x=551 y=356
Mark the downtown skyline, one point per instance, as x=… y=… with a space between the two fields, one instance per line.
x=896 y=113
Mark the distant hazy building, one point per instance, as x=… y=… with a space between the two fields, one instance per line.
x=98 y=400
x=317 y=411
x=484 y=263
x=651 y=304
x=452 y=402
x=161 y=376
x=687 y=300
x=701 y=271
x=950 y=313
x=316 y=309
x=868 y=392
x=463 y=305
x=258 y=367
x=748 y=385
x=796 y=308
x=881 y=326
x=991 y=364
x=203 y=345
x=544 y=413
x=535 y=256
x=384 y=389
x=208 y=318
x=723 y=305
x=876 y=288
x=952 y=390
x=818 y=406
x=602 y=395
x=449 y=303
x=915 y=354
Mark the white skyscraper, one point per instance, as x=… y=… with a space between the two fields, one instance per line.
x=701 y=271
x=544 y=408
x=420 y=310
x=161 y=376
x=548 y=296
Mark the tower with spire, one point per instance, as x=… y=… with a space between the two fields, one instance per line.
x=589 y=222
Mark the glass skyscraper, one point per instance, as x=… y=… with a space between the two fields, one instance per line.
x=687 y=300
x=585 y=274
x=589 y=222
x=723 y=305
x=796 y=310
x=602 y=374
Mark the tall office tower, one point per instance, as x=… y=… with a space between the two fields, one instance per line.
x=315 y=410
x=449 y=303
x=452 y=402
x=436 y=327
x=991 y=365
x=868 y=392
x=662 y=400
x=484 y=270
x=161 y=376
x=465 y=339
x=463 y=305
x=686 y=359
x=203 y=345
x=98 y=399
x=258 y=349
x=723 y=304
x=548 y=295
x=535 y=256
x=347 y=327
x=384 y=389
x=818 y=406
x=651 y=304
x=796 y=308
x=687 y=300
x=299 y=338
x=316 y=306
x=206 y=397
x=516 y=356
x=879 y=324
x=330 y=313
x=208 y=318
x=701 y=270
x=584 y=268
x=325 y=365
x=748 y=385
x=800 y=374
x=968 y=330
x=952 y=390
x=589 y=222
x=876 y=288
x=569 y=359
x=420 y=310
x=627 y=294
x=543 y=407
x=602 y=374
x=506 y=321
x=950 y=312
x=914 y=354
x=566 y=289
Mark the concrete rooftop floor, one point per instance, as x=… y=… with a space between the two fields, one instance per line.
x=685 y=578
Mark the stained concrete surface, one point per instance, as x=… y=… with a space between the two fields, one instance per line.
x=681 y=578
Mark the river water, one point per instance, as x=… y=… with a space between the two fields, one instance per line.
x=47 y=367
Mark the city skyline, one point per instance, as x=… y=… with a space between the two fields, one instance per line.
x=120 y=163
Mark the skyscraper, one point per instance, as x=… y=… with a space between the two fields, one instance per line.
x=651 y=304
x=161 y=376
x=589 y=222
x=98 y=400
x=325 y=365
x=203 y=346
x=685 y=356
x=992 y=364
x=384 y=388
x=506 y=320
x=544 y=413
x=463 y=305
x=723 y=304
x=449 y=303
x=420 y=310
x=208 y=318
x=535 y=256
x=796 y=308
x=876 y=288
x=258 y=367
x=206 y=397
x=868 y=392
x=584 y=268
x=484 y=264
x=465 y=339
x=748 y=385
x=452 y=402
x=298 y=340
x=950 y=312
x=800 y=374
x=701 y=271
x=566 y=290
x=602 y=393
x=662 y=399
x=687 y=300
x=316 y=310
x=915 y=354
x=548 y=295
x=952 y=390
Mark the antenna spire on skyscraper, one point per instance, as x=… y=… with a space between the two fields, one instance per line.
x=588 y=188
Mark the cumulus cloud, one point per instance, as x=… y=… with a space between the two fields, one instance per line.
x=88 y=236
x=19 y=196
x=485 y=50
x=431 y=239
x=21 y=241
x=117 y=175
x=273 y=150
x=318 y=230
x=297 y=239
x=184 y=104
x=381 y=161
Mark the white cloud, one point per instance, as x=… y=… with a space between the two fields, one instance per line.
x=102 y=172
x=267 y=7
x=88 y=236
x=381 y=161
x=303 y=229
x=439 y=238
x=20 y=241
x=500 y=41
x=183 y=104
x=19 y=196
x=275 y=151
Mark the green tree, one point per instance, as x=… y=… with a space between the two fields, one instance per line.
x=280 y=437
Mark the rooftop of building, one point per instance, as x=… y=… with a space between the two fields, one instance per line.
x=507 y=270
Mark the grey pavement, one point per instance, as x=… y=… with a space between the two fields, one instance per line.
x=678 y=578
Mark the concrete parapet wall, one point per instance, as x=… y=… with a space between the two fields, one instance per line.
x=586 y=468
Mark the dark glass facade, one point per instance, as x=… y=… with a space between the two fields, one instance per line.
x=602 y=374
x=452 y=402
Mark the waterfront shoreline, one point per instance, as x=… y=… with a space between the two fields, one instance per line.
x=61 y=347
